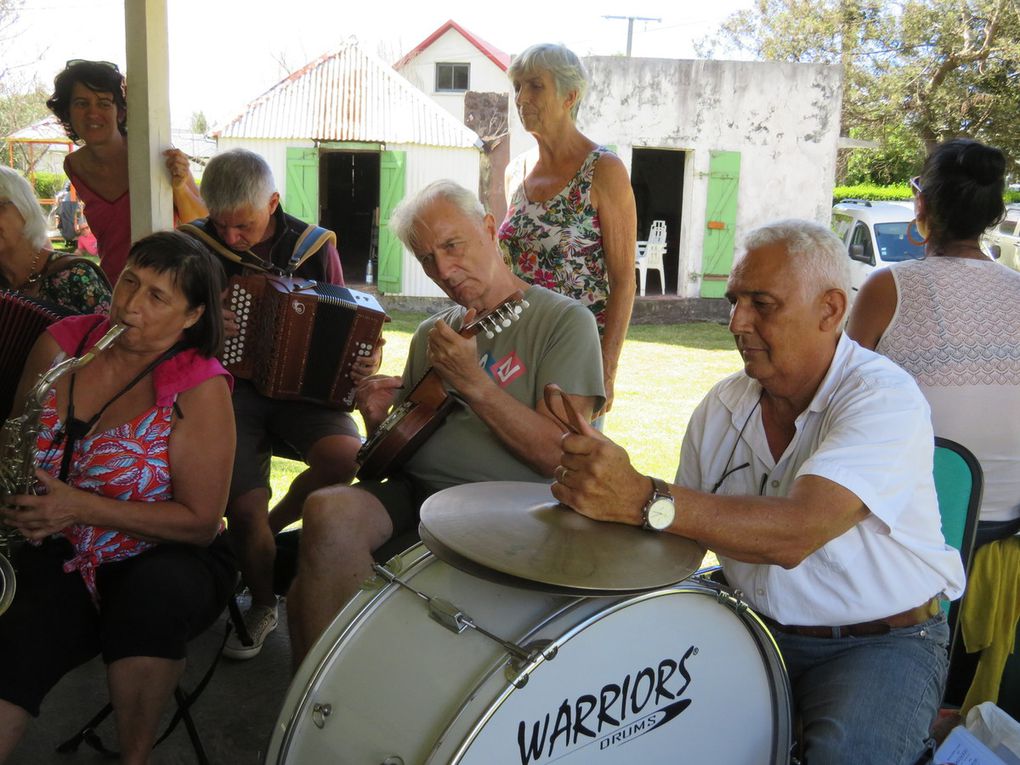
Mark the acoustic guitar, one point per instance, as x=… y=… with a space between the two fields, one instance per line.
x=418 y=416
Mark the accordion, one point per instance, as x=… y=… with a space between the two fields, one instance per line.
x=22 y=320
x=298 y=339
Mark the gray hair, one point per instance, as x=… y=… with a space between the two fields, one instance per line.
x=404 y=219
x=19 y=191
x=817 y=255
x=236 y=178
x=562 y=63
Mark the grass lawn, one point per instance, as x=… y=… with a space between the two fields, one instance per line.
x=664 y=372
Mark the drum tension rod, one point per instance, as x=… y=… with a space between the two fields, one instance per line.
x=455 y=620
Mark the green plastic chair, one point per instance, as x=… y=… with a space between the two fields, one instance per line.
x=958 y=484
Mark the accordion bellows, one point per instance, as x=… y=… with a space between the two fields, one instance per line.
x=298 y=339
x=22 y=320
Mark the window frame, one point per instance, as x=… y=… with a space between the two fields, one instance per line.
x=454 y=68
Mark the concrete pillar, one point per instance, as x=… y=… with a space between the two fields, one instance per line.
x=148 y=66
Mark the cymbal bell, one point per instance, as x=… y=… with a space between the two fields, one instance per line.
x=516 y=532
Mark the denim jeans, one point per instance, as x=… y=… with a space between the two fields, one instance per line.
x=867 y=699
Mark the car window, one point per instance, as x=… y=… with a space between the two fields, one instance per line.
x=860 y=236
x=840 y=225
x=1008 y=225
x=893 y=245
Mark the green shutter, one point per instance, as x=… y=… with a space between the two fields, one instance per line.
x=302 y=195
x=720 y=222
x=391 y=191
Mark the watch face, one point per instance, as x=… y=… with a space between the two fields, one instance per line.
x=660 y=514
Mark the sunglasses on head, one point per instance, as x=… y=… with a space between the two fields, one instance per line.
x=915 y=184
x=78 y=61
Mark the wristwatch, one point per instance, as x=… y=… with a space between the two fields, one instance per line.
x=659 y=512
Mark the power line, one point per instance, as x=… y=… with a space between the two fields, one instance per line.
x=630 y=26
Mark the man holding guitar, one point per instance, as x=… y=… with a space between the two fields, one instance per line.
x=498 y=427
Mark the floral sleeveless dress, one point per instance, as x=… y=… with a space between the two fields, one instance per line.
x=130 y=462
x=557 y=244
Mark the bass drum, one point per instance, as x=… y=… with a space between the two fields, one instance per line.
x=685 y=673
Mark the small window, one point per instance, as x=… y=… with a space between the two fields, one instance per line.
x=1008 y=226
x=452 y=77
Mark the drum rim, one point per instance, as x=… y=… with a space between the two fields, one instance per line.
x=775 y=670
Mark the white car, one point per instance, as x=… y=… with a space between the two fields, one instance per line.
x=875 y=235
x=1002 y=242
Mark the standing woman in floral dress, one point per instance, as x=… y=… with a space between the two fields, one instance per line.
x=571 y=225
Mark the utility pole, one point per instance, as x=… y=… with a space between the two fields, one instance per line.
x=630 y=26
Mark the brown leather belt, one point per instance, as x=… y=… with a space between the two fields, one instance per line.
x=908 y=618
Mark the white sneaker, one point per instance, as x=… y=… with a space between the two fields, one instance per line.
x=260 y=621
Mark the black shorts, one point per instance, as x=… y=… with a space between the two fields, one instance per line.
x=259 y=420
x=149 y=605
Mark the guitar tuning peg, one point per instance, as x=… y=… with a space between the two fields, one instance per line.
x=506 y=321
x=488 y=334
x=524 y=304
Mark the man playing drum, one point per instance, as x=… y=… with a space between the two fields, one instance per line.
x=500 y=430
x=810 y=474
x=249 y=231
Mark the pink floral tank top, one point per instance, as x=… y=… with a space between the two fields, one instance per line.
x=130 y=462
x=557 y=244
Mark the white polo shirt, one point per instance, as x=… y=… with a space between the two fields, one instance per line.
x=868 y=429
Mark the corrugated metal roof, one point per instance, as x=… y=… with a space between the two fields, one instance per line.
x=46 y=129
x=348 y=95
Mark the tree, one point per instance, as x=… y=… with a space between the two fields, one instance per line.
x=22 y=102
x=199 y=124
x=916 y=72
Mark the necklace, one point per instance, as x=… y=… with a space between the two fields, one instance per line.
x=34 y=275
x=953 y=251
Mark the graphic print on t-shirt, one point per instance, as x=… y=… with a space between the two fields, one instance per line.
x=505 y=370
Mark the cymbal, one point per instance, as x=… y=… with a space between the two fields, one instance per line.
x=517 y=532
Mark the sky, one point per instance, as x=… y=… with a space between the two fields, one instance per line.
x=225 y=53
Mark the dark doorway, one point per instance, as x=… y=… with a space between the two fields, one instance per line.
x=348 y=198
x=657 y=177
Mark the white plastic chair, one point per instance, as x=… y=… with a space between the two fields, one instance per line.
x=650 y=254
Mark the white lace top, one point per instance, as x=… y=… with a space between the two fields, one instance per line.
x=957 y=331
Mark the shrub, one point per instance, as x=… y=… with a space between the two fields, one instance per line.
x=47 y=185
x=896 y=191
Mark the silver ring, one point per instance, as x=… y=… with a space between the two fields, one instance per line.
x=561 y=473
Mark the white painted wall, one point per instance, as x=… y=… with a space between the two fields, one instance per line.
x=424 y=165
x=272 y=150
x=453 y=48
x=782 y=118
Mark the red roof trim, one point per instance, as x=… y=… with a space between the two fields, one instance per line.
x=494 y=54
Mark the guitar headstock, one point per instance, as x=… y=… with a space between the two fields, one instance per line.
x=495 y=321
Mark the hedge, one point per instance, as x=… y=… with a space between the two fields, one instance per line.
x=48 y=185
x=892 y=193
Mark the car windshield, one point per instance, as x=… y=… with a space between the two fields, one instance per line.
x=893 y=245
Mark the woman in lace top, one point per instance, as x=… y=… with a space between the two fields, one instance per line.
x=28 y=265
x=953 y=321
x=571 y=225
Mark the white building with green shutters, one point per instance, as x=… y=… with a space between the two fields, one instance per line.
x=348 y=138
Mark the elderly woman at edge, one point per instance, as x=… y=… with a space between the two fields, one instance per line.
x=28 y=265
x=571 y=226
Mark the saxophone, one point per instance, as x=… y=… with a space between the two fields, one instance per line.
x=18 y=448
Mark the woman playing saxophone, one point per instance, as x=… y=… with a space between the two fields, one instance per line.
x=134 y=452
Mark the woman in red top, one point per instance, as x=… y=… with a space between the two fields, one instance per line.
x=89 y=98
